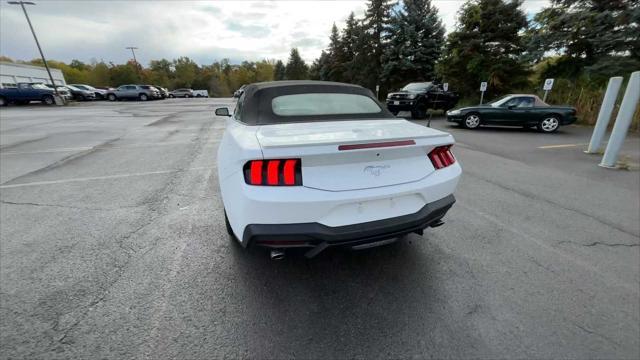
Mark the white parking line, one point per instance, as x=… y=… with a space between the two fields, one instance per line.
x=560 y=146
x=106 y=177
x=209 y=143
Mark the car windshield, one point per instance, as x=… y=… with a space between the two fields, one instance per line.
x=323 y=104
x=500 y=101
x=73 y=88
x=417 y=86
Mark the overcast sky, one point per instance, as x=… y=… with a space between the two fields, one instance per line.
x=203 y=30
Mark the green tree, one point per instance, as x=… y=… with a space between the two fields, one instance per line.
x=486 y=46
x=279 y=71
x=376 y=23
x=416 y=40
x=596 y=37
x=319 y=70
x=335 y=56
x=296 y=68
x=185 y=73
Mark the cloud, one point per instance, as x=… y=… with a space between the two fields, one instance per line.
x=206 y=32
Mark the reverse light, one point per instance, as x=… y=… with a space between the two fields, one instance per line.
x=273 y=172
x=441 y=157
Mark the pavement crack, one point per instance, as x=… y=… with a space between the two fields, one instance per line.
x=65 y=160
x=534 y=197
x=596 y=243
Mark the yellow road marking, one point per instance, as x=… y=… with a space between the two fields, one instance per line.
x=560 y=146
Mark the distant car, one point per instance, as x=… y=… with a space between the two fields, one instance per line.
x=164 y=93
x=63 y=91
x=185 y=93
x=99 y=94
x=314 y=164
x=24 y=93
x=155 y=92
x=80 y=94
x=524 y=110
x=239 y=92
x=418 y=97
x=200 y=93
x=140 y=92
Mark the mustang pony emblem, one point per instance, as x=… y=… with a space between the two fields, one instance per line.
x=376 y=170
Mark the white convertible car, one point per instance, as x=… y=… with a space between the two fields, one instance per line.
x=316 y=164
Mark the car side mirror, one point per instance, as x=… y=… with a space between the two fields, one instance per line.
x=223 y=111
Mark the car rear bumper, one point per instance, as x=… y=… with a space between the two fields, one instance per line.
x=315 y=234
x=248 y=206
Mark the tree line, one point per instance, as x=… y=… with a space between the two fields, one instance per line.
x=579 y=42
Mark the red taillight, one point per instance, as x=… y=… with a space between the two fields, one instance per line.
x=286 y=172
x=441 y=157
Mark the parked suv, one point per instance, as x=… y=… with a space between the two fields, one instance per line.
x=186 y=93
x=140 y=92
x=418 y=97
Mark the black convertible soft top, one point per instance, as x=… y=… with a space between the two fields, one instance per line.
x=255 y=103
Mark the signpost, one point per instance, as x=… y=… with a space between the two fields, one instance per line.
x=548 y=85
x=377 y=91
x=483 y=88
x=445 y=86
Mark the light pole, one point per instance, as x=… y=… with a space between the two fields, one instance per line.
x=24 y=9
x=133 y=48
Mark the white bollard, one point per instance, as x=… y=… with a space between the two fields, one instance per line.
x=623 y=121
x=606 y=109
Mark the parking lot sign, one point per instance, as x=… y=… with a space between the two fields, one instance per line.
x=483 y=88
x=445 y=86
x=548 y=84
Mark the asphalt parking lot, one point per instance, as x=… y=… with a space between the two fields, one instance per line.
x=113 y=245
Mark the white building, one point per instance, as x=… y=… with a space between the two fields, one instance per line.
x=11 y=74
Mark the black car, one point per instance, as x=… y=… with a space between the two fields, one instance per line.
x=419 y=97
x=524 y=110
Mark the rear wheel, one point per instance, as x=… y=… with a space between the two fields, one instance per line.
x=171 y=96
x=472 y=121
x=143 y=97
x=112 y=97
x=48 y=99
x=549 y=124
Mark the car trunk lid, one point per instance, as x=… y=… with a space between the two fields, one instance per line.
x=352 y=155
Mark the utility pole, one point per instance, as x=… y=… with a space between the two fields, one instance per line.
x=24 y=9
x=133 y=48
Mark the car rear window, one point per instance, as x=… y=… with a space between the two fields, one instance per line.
x=145 y=87
x=323 y=104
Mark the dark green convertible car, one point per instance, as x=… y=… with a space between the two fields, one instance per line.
x=515 y=110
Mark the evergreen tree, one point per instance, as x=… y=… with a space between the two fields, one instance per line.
x=336 y=56
x=486 y=46
x=279 y=71
x=296 y=68
x=354 y=48
x=601 y=36
x=376 y=26
x=416 y=40
x=319 y=70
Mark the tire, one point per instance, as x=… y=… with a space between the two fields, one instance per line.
x=471 y=121
x=187 y=96
x=143 y=97
x=395 y=113
x=81 y=98
x=3 y=101
x=48 y=100
x=549 y=124
x=227 y=225
x=112 y=97
x=171 y=96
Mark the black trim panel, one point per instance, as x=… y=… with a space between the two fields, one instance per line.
x=312 y=234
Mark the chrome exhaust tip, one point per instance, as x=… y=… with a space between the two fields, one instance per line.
x=277 y=255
